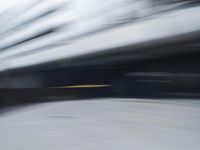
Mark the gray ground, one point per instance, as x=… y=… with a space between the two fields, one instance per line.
x=101 y=124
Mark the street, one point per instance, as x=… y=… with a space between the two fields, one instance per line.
x=99 y=124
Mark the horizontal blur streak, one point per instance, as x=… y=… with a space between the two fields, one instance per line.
x=86 y=86
x=84 y=63
x=65 y=29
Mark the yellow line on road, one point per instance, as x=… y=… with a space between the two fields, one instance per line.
x=86 y=86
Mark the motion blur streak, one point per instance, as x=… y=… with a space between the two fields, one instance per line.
x=138 y=47
x=85 y=86
x=95 y=75
x=64 y=29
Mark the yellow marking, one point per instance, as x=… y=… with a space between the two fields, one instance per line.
x=86 y=86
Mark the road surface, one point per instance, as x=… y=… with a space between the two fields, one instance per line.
x=103 y=124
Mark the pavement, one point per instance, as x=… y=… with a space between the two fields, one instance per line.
x=100 y=124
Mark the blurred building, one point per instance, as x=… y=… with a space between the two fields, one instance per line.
x=49 y=34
